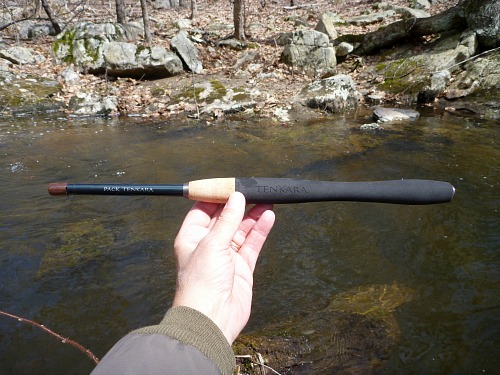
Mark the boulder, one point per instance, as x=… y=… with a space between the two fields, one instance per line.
x=371 y=18
x=310 y=50
x=128 y=60
x=83 y=43
x=404 y=12
x=486 y=24
x=21 y=55
x=422 y=77
x=438 y=84
x=334 y=94
x=326 y=25
x=70 y=77
x=187 y=51
x=343 y=49
x=93 y=104
x=421 y=4
x=104 y=47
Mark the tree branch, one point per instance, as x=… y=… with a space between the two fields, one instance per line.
x=63 y=339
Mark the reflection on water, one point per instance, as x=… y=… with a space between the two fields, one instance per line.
x=94 y=268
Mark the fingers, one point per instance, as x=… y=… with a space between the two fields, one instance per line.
x=200 y=215
x=256 y=237
x=227 y=223
x=249 y=221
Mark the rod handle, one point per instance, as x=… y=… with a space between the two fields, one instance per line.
x=284 y=190
x=214 y=190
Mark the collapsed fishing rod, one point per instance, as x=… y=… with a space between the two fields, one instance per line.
x=279 y=190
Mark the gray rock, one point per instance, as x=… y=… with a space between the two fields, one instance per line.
x=40 y=29
x=421 y=4
x=333 y=94
x=83 y=43
x=70 y=77
x=128 y=60
x=481 y=75
x=375 y=98
x=233 y=44
x=405 y=12
x=416 y=74
x=371 y=18
x=93 y=104
x=105 y=47
x=439 y=81
x=183 y=23
x=375 y=126
x=187 y=51
x=486 y=24
x=382 y=114
x=21 y=55
x=343 y=49
x=326 y=25
x=309 y=50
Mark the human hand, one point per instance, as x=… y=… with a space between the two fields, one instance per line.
x=216 y=250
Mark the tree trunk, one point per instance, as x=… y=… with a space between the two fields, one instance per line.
x=239 y=19
x=51 y=16
x=194 y=10
x=120 y=11
x=393 y=33
x=145 y=17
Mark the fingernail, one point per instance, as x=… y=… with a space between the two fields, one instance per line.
x=235 y=200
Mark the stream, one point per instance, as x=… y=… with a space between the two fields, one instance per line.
x=93 y=268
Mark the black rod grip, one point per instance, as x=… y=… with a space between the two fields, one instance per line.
x=284 y=190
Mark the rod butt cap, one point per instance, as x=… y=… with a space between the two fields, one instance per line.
x=58 y=188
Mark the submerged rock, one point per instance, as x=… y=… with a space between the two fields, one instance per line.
x=354 y=334
x=382 y=114
x=74 y=245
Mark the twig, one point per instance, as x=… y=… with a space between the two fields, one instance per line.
x=260 y=362
x=63 y=339
x=472 y=58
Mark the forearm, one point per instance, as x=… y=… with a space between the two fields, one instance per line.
x=185 y=342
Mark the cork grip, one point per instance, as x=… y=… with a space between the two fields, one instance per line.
x=214 y=190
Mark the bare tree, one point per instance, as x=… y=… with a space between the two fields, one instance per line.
x=52 y=17
x=194 y=10
x=239 y=19
x=145 y=18
x=120 y=11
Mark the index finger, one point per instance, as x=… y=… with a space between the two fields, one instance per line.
x=199 y=215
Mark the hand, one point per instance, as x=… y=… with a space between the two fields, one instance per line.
x=216 y=250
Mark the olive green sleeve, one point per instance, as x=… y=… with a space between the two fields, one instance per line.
x=191 y=327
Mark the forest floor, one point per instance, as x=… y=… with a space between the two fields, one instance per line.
x=265 y=20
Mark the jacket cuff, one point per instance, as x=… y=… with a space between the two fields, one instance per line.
x=191 y=327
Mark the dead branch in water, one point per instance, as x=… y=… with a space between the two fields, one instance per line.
x=63 y=339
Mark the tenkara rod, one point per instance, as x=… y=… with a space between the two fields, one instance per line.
x=279 y=190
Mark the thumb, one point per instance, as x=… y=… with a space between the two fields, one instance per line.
x=229 y=220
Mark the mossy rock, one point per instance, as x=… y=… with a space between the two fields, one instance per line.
x=75 y=245
x=355 y=333
x=29 y=95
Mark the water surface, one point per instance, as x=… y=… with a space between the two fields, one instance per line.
x=121 y=274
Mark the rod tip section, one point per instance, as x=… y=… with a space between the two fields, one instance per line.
x=58 y=188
